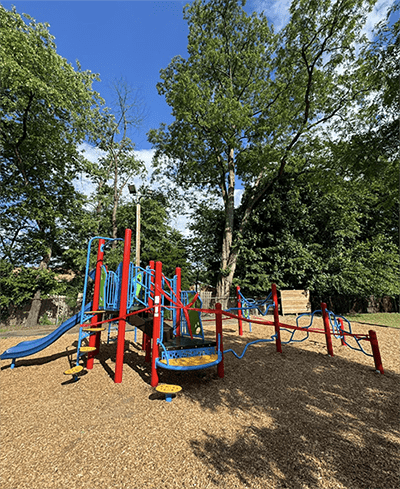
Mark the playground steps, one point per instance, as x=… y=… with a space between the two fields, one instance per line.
x=74 y=370
x=87 y=349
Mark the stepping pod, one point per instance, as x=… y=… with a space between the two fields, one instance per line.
x=168 y=390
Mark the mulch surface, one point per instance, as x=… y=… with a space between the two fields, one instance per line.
x=300 y=419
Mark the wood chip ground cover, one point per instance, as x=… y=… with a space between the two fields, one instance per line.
x=299 y=419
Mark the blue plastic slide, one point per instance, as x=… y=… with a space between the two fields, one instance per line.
x=30 y=347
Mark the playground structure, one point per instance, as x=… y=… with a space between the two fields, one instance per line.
x=170 y=320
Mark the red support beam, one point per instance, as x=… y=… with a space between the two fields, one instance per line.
x=239 y=304
x=276 y=318
x=178 y=299
x=94 y=340
x=122 y=307
x=375 y=351
x=218 y=330
x=327 y=329
x=342 y=328
x=156 y=322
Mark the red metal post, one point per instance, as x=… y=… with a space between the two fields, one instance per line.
x=178 y=298
x=342 y=328
x=327 y=329
x=156 y=322
x=218 y=330
x=276 y=319
x=122 y=307
x=94 y=340
x=239 y=304
x=375 y=351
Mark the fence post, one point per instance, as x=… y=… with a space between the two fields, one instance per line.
x=94 y=340
x=239 y=304
x=276 y=319
x=218 y=330
x=327 y=329
x=375 y=351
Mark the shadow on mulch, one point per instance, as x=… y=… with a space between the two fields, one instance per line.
x=328 y=417
x=22 y=362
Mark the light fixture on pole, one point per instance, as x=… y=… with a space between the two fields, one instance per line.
x=133 y=191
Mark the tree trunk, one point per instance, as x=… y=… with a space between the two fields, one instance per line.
x=33 y=316
x=229 y=255
x=34 y=311
x=115 y=203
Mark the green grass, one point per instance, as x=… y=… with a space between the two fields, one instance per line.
x=391 y=319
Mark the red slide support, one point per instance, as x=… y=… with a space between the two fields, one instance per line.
x=122 y=307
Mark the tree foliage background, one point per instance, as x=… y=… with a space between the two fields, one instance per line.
x=305 y=120
x=251 y=105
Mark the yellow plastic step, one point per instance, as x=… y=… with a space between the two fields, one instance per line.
x=74 y=370
x=86 y=349
x=191 y=361
x=95 y=312
x=94 y=330
x=168 y=388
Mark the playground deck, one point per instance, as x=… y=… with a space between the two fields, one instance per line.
x=299 y=419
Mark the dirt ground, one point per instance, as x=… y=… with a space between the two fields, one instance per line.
x=299 y=419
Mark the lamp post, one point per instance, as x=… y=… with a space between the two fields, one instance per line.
x=134 y=193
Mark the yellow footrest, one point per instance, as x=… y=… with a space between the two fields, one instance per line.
x=74 y=370
x=95 y=312
x=86 y=349
x=94 y=330
x=168 y=388
x=191 y=361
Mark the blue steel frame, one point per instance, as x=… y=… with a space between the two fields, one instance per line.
x=83 y=317
x=337 y=330
x=248 y=304
x=194 y=352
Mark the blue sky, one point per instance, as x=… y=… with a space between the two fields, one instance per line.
x=135 y=40
x=132 y=39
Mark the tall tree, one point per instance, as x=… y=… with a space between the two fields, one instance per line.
x=46 y=109
x=118 y=163
x=246 y=99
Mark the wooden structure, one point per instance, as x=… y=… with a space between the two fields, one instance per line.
x=295 y=301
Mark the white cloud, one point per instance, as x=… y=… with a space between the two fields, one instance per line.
x=238 y=196
x=277 y=12
x=378 y=14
